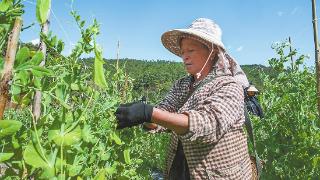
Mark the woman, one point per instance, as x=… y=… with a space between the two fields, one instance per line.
x=204 y=110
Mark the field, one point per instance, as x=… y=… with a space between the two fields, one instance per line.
x=57 y=112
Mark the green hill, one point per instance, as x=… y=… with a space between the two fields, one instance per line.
x=154 y=78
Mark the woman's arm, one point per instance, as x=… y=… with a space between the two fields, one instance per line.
x=169 y=105
x=173 y=121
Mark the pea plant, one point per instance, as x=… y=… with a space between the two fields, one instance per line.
x=288 y=136
x=75 y=136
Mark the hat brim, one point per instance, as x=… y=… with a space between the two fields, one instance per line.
x=170 y=39
x=253 y=89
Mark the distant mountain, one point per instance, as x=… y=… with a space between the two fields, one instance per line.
x=157 y=76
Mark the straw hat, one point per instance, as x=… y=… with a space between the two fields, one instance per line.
x=203 y=29
x=252 y=89
x=209 y=33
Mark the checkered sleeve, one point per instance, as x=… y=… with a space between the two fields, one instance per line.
x=173 y=100
x=175 y=96
x=216 y=114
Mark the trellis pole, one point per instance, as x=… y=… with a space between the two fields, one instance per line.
x=316 y=44
x=8 y=64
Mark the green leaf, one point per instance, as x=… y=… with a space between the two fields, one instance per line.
x=53 y=41
x=60 y=176
x=1 y=64
x=86 y=133
x=23 y=76
x=112 y=169
x=15 y=142
x=33 y=157
x=59 y=92
x=22 y=55
x=101 y=175
x=74 y=170
x=62 y=138
x=4 y=33
x=315 y=161
x=24 y=66
x=41 y=71
x=15 y=90
x=59 y=95
x=116 y=138
x=46 y=99
x=15 y=99
x=37 y=82
x=34 y=135
x=43 y=10
x=5 y=156
x=75 y=87
x=37 y=58
x=138 y=161
x=126 y=154
x=9 y=127
x=68 y=118
x=65 y=105
x=60 y=163
x=99 y=77
x=105 y=156
x=26 y=99
x=47 y=173
x=5 y=4
x=60 y=46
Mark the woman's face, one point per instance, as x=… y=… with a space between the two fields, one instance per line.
x=194 y=55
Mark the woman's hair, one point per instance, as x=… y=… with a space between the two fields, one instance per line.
x=190 y=37
x=205 y=45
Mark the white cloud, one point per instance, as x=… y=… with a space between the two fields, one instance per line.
x=308 y=56
x=294 y=11
x=280 y=13
x=35 y=41
x=240 y=48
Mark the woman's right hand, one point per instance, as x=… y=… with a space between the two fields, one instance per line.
x=150 y=126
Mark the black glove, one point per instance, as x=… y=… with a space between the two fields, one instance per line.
x=132 y=114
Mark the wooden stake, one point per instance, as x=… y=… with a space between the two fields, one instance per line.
x=36 y=108
x=316 y=44
x=8 y=64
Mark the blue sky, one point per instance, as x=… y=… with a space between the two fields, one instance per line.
x=249 y=26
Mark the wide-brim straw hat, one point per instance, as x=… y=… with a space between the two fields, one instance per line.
x=209 y=33
x=252 y=89
x=202 y=29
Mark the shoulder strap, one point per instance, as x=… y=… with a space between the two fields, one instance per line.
x=249 y=128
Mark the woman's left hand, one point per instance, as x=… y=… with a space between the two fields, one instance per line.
x=132 y=114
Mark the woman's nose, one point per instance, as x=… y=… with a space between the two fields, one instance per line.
x=184 y=57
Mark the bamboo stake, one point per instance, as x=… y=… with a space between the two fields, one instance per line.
x=8 y=64
x=292 y=62
x=316 y=44
x=36 y=108
x=118 y=53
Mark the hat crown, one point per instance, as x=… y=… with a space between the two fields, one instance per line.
x=202 y=29
x=208 y=27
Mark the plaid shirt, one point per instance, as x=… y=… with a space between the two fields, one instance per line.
x=215 y=145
